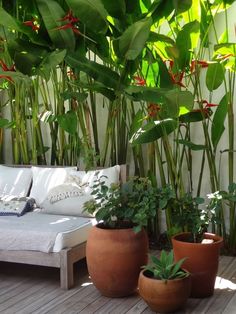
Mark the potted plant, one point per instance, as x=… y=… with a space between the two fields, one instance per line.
x=163 y=284
x=200 y=247
x=118 y=245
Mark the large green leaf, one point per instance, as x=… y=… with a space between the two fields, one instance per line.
x=50 y=62
x=153 y=131
x=191 y=145
x=68 y=122
x=174 y=99
x=215 y=75
x=186 y=41
x=27 y=56
x=52 y=13
x=133 y=40
x=151 y=94
x=218 y=128
x=97 y=71
x=137 y=122
x=5 y=123
x=182 y=5
x=115 y=8
x=195 y=116
x=91 y=12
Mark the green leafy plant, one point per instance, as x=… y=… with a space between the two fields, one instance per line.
x=165 y=268
x=189 y=215
x=130 y=204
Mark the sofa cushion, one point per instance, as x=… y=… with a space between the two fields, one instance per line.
x=15 y=181
x=69 y=197
x=16 y=206
x=46 y=178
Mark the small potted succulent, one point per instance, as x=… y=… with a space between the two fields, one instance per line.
x=201 y=248
x=118 y=245
x=163 y=284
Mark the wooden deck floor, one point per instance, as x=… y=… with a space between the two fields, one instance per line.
x=32 y=289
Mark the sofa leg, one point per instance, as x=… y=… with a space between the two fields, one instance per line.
x=66 y=270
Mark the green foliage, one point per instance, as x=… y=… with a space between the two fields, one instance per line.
x=133 y=203
x=189 y=215
x=165 y=268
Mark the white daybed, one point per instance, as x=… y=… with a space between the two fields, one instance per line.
x=42 y=238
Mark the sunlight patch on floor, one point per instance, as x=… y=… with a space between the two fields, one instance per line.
x=222 y=283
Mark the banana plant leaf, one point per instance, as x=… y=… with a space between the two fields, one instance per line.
x=215 y=75
x=115 y=8
x=153 y=131
x=27 y=56
x=91 y=12
x=133 y=40
x=52 y=13
x=68 y=122
x=97 y=71
x=218 y=121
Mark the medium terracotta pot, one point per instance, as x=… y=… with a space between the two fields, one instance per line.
x=202 y=261
x=164 y=296
x=114 y=258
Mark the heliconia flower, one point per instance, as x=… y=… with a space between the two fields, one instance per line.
x=71 y=23
x=224 y=57
x=140 y=81
x=153 y=109
x=208 y=105
x=69 y=17
x=6 y=68
x=33 y=24
x=6 y=77
x=202 y=63
x=177 y=78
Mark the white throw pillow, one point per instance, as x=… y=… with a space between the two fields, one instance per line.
x=69 y=197
x=44 y=179
x=15 y=181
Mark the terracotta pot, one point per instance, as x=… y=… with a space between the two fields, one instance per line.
x=164 y=296
x=202 y=261
x=114 y=258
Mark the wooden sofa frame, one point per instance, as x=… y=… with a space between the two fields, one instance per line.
x=64 y=259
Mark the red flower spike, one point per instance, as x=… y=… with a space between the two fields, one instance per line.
x=175 y=80
x=69 y=17
x=32 y=24
x=208 y=105
x=153 y=109
x=6 y=77
x=6 y=68
x=202 y=63
x=140 y=81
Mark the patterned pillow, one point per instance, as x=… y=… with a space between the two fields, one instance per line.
x=69 y=197
x=16 y=206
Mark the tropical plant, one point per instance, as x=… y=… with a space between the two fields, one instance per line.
x=164 y=268
x=131 y=204
x=189 y=215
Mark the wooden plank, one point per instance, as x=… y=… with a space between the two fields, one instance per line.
x=139 y=307
x=31 y=257
x=35 y=290
x=63 y=304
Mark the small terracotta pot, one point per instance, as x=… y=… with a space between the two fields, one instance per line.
x=201 y=261
x=114 y=259
x=164 y=296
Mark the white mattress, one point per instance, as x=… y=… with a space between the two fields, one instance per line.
x=43 y=232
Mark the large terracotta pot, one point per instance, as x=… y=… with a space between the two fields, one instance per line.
x=202 y=261
x=114 y=258
x=164 y=296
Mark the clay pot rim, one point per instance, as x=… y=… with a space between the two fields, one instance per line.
x=128 y=229
x=188 y=274
x=217 y=239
